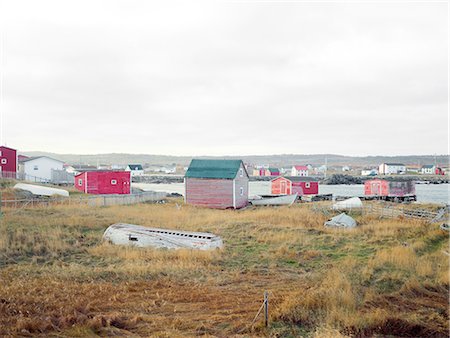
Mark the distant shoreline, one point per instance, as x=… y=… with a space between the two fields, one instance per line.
x=331 y=180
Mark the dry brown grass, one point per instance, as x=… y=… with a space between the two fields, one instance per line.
x=385 y=276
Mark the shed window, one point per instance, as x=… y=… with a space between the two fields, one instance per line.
x=80 y=182
x=3 y=160
x=35 y=167
x=113 y=182
x=241 y=191
x=241 y=172
x=307 y=185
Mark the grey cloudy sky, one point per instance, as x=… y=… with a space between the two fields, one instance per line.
x=222 y=78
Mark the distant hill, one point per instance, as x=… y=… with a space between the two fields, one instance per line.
x=284 y=160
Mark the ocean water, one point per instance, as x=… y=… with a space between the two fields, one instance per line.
x=426 y=193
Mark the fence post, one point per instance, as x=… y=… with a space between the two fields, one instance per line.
x=266 y=308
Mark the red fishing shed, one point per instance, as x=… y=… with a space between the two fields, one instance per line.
x=8 y=162
x=281 y=186
x=389 y=188
x=104 y=182
x=219 y=184
x=304 y=186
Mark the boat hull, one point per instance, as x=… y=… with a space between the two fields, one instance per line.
x=277 y=200
x=139 y=236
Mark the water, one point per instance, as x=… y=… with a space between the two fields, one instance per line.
x=426 y=193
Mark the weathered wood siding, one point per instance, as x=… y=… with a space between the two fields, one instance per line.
x=281 y=186
x=241 y=181
x=389 y=188
x=212 y=193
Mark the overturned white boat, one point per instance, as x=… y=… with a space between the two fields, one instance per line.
x=274 y=200
x=40 y=190
x=348 y=204
x=140 y=236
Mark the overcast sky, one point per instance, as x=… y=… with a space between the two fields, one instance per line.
x=225 y=78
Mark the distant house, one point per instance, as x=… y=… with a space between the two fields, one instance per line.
x=369 y=172
x=259 y=172
x=39 y=169
x=392 y=168
x=76 y=169
x=8 y=162
x=428 y=169
x=135 y=169
x=272 y=172
x=345 y=168
x=220 y=184
x=102 y=182
x=300 y=170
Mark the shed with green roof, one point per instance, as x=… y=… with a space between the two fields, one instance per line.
x=220 y=184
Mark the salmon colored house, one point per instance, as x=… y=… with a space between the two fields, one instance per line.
x=389 y=188
x=8 y=162
x=281 y=186
x=104 y=182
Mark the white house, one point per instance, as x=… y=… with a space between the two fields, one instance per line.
x=392 y=168
x=369 y=172
x=299 y=170
x=39 y=169
x=135 y=169
x=428 y=169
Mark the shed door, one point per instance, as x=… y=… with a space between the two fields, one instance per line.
x=376 y=188
x=124 y=186
x=283 y=187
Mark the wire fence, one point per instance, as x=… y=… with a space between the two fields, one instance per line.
x=98 y=200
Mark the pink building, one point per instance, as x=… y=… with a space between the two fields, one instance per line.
x=8 y=162
x=104 y=182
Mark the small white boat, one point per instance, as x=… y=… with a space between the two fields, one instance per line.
x=140 y=236
x=274 y=200
x=40 y=190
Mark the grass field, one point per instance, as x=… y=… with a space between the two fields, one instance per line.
x=387 y=277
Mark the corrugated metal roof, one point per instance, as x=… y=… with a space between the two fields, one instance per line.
x=428 y=166
x=225 y=169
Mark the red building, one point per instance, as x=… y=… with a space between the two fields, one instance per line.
x=103 y=182
x=8 y=162
x=305 y=187
x=284 y=186
x=389 y=188
x=281 y=186
x=219 y=184
x=272 y=172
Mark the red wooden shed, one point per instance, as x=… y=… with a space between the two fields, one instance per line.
x=281 y=186
x=219 y=184
x=304 y=187
x=8 y=162
x=104 y=182
x=389 y=188
x=285 y=186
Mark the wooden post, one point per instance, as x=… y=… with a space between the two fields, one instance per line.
x=266 y=308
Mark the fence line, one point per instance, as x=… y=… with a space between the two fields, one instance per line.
x=98 y=200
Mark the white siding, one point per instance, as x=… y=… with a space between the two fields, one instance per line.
x=41 y=168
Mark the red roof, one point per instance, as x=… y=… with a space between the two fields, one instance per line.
x=301 y=167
